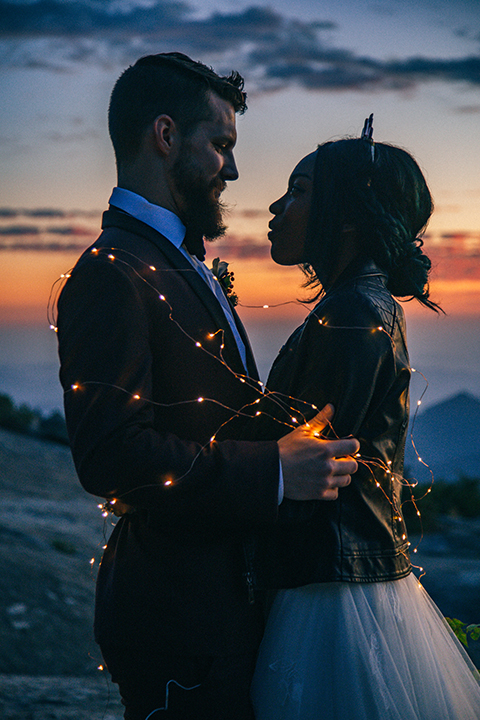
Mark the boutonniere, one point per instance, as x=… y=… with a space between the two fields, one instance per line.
x=225 y=278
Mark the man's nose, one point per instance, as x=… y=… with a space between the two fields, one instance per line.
x=229 y=170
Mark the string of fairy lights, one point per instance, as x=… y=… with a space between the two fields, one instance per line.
x=289 y=407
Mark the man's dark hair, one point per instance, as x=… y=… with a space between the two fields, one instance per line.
x=167 y=83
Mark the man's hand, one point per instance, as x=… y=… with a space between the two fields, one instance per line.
x=314 y=469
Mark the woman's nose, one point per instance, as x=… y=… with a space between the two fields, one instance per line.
x=276 y=207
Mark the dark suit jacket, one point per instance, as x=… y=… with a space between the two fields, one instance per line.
x=172 y=572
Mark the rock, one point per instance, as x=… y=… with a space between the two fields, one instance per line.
x=58 y=698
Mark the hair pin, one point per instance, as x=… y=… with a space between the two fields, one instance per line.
x=367 y=134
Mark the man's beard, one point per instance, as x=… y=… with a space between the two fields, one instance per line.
x=203 y=210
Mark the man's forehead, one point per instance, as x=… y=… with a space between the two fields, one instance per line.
x=222 y=114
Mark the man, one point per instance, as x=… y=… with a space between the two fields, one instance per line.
x=158 y=377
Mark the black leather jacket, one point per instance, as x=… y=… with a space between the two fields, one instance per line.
x=350 y=351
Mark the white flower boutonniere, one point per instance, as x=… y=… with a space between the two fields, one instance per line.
x=225 y=278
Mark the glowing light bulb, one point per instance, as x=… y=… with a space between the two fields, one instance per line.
x=111 y=257
x=294 y=419
x=74 y=387
x=136 y=397
x=258 y=413
x=200 y=399
x=100 y=667
x=152 y=267
x=198 y=344
x=419 y=402
x=167 y=483
x=265 y=307
x=162 y=297
x=92 y=561
x=94 y=250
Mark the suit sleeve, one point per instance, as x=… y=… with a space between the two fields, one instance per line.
x=119 y=445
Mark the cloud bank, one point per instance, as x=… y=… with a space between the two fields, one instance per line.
x=55 y=230
x=271 y=50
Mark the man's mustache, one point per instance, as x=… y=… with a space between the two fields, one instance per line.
x=219 y=185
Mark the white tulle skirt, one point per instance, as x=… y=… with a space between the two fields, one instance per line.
x=362 y=651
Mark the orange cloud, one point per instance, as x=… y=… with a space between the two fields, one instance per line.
x=38 y=246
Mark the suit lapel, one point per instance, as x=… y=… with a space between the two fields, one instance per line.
x=114 y=218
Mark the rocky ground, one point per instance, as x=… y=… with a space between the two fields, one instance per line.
x=51 y=530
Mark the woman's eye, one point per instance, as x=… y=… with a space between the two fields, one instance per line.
x=296 y=189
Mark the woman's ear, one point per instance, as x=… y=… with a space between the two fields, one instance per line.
x=165 y=133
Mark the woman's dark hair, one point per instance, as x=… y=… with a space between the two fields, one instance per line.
x=381 y=192
x=167 y=83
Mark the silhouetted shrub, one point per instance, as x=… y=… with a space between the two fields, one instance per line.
x=23 y=419
x=460 y=498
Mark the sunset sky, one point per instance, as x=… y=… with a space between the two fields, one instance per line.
x=314 y=70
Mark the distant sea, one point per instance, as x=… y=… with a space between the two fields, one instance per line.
x=445 y=349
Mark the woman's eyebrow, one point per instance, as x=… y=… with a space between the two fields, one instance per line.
x=294 y=176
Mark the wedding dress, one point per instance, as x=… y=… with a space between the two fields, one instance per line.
x=362 y=651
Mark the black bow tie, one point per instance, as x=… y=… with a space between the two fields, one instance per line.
x=193 y=241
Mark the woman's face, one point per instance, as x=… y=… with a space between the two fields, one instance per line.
x=288 y=229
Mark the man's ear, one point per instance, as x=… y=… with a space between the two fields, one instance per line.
x=166 y=134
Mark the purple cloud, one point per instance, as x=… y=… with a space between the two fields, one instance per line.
x=270 y=49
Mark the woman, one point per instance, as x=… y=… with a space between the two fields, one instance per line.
x=352 y=635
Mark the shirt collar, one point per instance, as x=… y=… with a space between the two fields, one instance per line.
x=159 y=218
